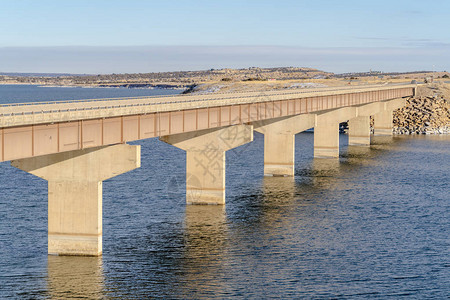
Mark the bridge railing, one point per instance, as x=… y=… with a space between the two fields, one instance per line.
x=199 y=95
x=38 y=113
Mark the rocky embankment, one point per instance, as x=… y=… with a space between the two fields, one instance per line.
x=426 y=113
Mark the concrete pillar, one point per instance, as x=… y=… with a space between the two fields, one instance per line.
x=205 y=160
x=326 y=139
x=384 y=117
x=359 y=131
x=383 y=122
x=326 y=131
x=279 y=154
x=279 y=142
x=75 y=193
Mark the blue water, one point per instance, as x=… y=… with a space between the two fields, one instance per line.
x=34 y=93
x=373 y=224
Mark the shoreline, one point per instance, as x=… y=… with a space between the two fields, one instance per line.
x=155 y=87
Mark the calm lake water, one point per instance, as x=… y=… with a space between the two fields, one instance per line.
x=373 y=224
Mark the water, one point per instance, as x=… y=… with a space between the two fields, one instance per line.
x=373 y=224
x=34 y=93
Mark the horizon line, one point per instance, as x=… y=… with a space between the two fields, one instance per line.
x=6 y=73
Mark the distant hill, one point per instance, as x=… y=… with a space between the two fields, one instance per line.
x=189 y=79
x=39 y=74
x=167 y=79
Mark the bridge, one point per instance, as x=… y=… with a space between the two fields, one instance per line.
x=76 y=145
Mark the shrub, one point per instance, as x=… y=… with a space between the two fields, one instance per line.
x=255 y=79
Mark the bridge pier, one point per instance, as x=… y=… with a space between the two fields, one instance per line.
x=205 y=160
x=384 y=118
x=279 y=142
x=383 y=123
x=75 y=193
x=326 y=139
x=359 y=131
x=326 y=131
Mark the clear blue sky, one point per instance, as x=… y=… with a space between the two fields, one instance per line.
x=43 y=36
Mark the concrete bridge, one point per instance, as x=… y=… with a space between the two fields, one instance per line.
x=76 y=145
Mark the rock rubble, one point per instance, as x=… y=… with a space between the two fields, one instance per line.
x=423 y=115
x=426 y=113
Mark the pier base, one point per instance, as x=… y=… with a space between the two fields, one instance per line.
x=75 y=193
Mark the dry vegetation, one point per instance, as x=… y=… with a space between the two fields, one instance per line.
x=169 y=79
x=223 y=80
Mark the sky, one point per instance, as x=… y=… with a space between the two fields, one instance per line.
x=137 y=36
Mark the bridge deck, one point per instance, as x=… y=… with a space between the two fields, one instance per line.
x=59 y=111
x=33 y=129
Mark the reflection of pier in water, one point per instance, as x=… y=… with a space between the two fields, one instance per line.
x=206 y=244
x=75 y=277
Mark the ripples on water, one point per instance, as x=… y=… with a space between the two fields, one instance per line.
x=374 y=223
